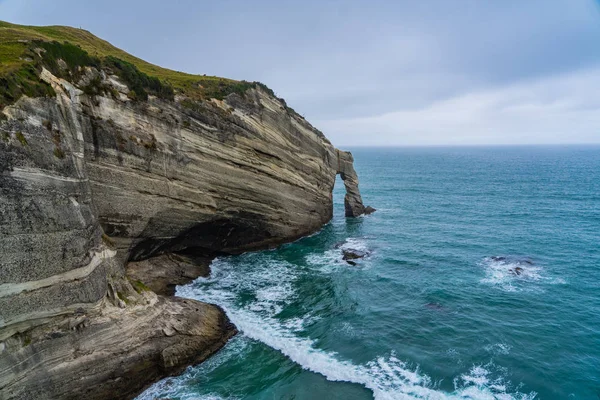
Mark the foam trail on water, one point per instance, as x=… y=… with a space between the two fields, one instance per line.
x=271 y=284
x=394 y=382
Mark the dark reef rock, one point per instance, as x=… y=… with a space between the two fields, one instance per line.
x=369 y=210
x=351 y=254
x=516 y=265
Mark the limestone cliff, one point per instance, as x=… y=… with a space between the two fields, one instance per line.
x=93 y=178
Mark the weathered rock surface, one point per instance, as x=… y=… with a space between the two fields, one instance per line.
x=351 y=254
x=91 y=183
x=352 y=201
x=111 y=353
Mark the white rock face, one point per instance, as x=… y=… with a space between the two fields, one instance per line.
x=88 y=184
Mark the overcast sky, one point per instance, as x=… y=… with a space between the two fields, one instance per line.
x=376 y=72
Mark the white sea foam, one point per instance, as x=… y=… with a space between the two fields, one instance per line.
x=513 y=275
x=355 y=244
x=271 y=282
x=178 y=386
x=300 y=323
x=498 y=348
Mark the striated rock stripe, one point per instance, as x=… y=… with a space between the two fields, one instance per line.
x=11 y=289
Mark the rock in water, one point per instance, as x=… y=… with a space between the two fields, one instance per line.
x=352 y=201
x=96 y=174
x=369 y=210
x=351 y=254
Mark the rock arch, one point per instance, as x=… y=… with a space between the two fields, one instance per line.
x=353 y=203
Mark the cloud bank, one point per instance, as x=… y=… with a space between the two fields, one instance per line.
x=377 y=72
x=553 y=110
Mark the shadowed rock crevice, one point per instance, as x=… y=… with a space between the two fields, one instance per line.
x=223 y=235
x=162 y=274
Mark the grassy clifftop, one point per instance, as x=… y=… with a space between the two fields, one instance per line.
x=19 y=59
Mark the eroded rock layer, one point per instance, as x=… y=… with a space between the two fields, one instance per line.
x=113 y=354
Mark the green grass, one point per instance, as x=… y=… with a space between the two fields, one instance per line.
x=124 y=298
x=77 y=48
x=21 y=138
x=139 y=286
x=108 y=241
x=22 y=81
x=10 y=52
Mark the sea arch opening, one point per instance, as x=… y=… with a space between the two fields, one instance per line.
x=353 y=205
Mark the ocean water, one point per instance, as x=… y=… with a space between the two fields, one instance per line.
x=482 y=282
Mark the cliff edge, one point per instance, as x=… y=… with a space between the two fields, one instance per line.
x=113 y=170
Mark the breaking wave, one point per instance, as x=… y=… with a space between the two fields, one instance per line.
x=254 y=293
x=513 y=274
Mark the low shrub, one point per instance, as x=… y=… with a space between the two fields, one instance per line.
x=59 y=153
x=140 y=83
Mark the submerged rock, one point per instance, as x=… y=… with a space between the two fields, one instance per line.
x=434 y=306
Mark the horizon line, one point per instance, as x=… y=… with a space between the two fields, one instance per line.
x=595 y=144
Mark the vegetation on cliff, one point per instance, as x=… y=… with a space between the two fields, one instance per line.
x=64 y=50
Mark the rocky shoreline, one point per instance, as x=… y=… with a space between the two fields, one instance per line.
x=112 y=352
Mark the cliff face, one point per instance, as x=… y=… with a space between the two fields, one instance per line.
x=92 y=182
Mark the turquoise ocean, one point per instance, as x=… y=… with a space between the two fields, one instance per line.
x=482 y=282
